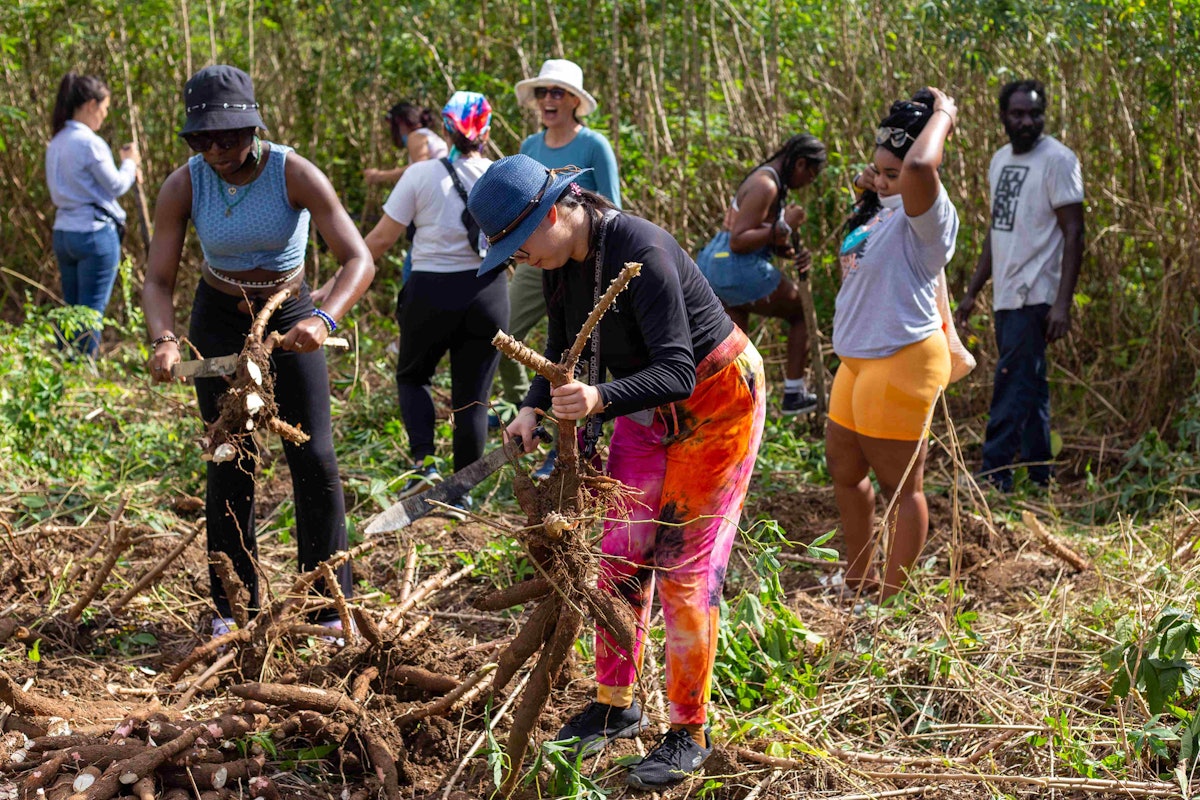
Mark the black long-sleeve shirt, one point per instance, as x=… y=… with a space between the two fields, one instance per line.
x=664 y=323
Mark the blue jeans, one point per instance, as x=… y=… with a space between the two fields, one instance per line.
x=1019 y=421
x=88 y=265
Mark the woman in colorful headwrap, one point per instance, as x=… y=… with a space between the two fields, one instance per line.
x=444 y=306
x=251 y=202
x=888 y=333
x=687 y=396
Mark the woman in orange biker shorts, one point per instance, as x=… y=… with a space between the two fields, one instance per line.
x=888 y=334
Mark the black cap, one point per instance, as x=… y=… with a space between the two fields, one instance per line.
x=220 y=98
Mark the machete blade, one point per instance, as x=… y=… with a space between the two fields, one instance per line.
x=407 y=511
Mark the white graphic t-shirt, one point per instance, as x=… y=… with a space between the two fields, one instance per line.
x=1027 y=243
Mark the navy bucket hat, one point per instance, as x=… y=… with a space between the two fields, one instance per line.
x=220 y=98
x=511 y=199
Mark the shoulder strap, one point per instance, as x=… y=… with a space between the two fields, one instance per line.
x=462 y=192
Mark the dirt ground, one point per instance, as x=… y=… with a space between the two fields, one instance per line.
x=107 y=666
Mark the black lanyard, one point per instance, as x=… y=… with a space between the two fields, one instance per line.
x=594 y=426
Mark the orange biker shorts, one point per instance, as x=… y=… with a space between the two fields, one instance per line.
x=889 y=398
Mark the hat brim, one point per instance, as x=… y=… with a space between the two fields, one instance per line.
x=503 y=250
x=223 y=120
x=587 y=103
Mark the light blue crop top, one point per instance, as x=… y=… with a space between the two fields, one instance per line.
x=261 y=230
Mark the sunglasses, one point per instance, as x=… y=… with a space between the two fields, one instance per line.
x=224 y=140
x=553 y=92
x=897 y=136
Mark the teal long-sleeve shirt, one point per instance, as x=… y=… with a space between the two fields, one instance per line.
x=587 y=149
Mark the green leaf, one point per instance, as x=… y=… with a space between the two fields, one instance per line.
x=34 y=653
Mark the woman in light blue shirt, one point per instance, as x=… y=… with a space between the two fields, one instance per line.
x=84 y=187
x=558 y=97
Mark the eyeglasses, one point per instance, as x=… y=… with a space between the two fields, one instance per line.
x=530 y=206
x=554 y=92
x=224 y=140
x=897 y=136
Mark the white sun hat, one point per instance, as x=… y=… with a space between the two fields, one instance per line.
x=557 y=72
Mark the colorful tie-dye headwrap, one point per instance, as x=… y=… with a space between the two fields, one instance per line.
x=468 y=113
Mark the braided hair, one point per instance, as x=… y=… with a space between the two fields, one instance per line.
x=801 y=146
x=911 y=116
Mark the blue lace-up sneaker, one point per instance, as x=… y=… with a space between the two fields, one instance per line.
x=423 y=477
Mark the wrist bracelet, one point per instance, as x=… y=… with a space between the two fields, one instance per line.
x=328 y=320
x=947 y=113
x=166 y=337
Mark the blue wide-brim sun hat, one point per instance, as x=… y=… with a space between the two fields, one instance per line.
x=510 y=200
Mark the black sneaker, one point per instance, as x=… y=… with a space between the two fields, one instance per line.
x=423 y=477
x=547 y=467
x=599 y=723
x=799 y=402
x=675 y=756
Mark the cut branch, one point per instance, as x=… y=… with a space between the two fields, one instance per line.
x=154 y=574
x=529 y=358
x=1052 y=544
x=628 y=273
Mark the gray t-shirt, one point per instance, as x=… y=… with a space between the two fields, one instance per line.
x=890 y=268
x=1027 y=244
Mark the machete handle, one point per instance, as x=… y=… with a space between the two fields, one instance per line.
x=539 y=432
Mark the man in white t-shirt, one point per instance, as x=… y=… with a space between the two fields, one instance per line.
x=1033 y=253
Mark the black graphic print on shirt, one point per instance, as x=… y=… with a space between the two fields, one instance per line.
x=1008 y=192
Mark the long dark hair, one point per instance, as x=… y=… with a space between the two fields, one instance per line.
x=575 y=196
x=911 y=116
x=801 y=146
x=412 y=115
x=74 y=91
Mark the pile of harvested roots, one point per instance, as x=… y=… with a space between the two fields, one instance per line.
x=358 y=709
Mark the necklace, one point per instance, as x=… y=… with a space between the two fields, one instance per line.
x=232 y=190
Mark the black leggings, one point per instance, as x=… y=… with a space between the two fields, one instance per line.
x=218 y=328
x=459 y=312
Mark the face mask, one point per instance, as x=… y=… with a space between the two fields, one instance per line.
x=892 y=201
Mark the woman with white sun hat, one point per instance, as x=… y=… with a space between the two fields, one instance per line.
x=558 y=96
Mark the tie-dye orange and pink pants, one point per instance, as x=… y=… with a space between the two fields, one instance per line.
x=693 y=465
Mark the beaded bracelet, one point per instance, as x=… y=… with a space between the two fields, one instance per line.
x=166 y=337
x=328 y=320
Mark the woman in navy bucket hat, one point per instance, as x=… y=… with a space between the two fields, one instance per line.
x=687 y=396
x=250 y=203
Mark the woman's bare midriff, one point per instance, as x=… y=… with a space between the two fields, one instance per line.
x=213 y=278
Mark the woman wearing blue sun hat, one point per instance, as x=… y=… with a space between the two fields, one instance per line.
x=687 y=397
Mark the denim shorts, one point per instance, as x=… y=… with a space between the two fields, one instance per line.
x=737 y=278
